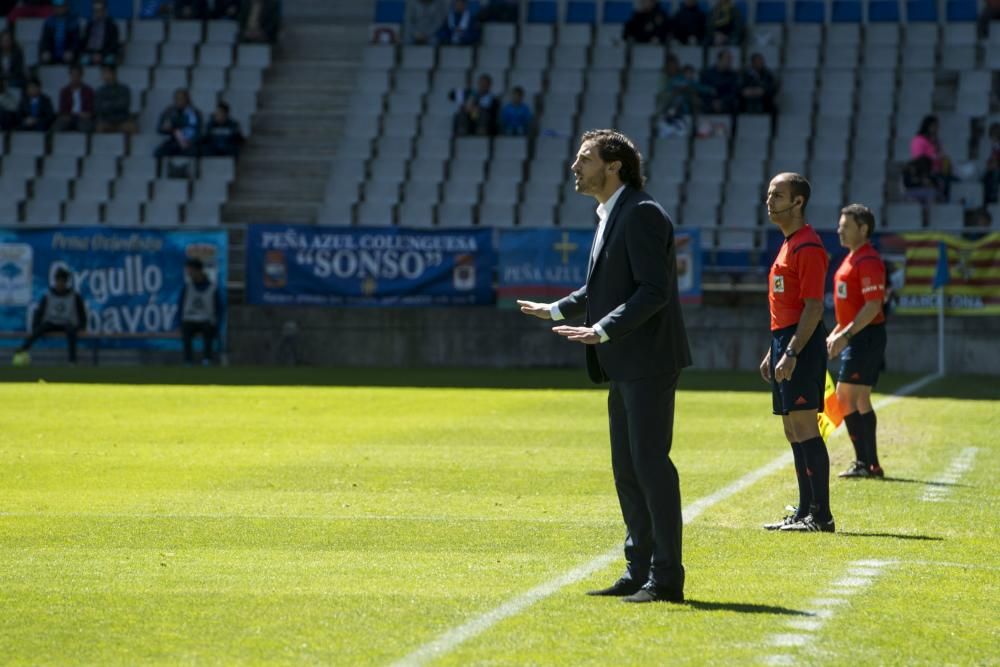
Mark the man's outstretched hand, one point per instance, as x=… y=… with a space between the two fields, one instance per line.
x=539 y=310
x=585 y=335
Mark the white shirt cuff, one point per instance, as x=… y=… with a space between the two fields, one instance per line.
x=555 y=313
x=599 y=330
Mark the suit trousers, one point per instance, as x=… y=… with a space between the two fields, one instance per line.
x=641 y=417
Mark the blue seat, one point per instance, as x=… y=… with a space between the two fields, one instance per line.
x=883 y=11
x=616 y=11
x=743 y=7
x=543 y=11
x=771 y=11
x=581 y=11
x=921 y=11
x=810 y=11
x=847 y=11
x=390 y=11
x=961 y=10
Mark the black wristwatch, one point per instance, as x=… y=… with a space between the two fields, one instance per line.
x=789 y=352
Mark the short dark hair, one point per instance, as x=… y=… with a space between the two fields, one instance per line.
x=613 y=146
x=862 y=215
x=222 y=105
x=75 y=68
x=110 y=67
x=798 y=186
x=194 y=263
x=926 y=123
x=62 y=274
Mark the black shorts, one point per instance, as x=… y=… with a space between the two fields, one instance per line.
x=862 y=359
x=808 y=384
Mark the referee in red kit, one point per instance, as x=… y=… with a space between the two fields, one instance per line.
x=795 y=364
x=859 y=338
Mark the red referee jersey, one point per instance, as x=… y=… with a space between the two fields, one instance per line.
x=798 y=273
x=860 y=278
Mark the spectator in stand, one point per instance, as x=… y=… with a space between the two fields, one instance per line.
x=60 y=36
x=113 y=104
x=100 y=39
x=679 y=99
x=990 y=13
x=260 y=21
x=226 y=9
x=30 y=9
x=725 y=24
x=478 y=109
x=670 y=83
x=460 y=27
x=688 y=25
x=35 y=114
x=649 y=24
x=76 y=104
x=223 y=137
x=181 y=124
x=515 y=117
x=722 y=85
x=423 y=19
x=9 y=104
x=11 y=60
x=991 y=177
x=499 y=11
x=758 y=87
x=918 y=184
x=191 y=10
x=926 y=144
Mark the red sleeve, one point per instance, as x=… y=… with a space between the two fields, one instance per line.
x=65 y=101
x=872 y=279
x=811 y=265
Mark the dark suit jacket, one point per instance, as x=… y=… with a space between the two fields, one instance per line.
x=631 y=292
x=110 y=43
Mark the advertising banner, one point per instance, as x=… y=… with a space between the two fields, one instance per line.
x=547 y=264
x=130 y=279
x=305 y=265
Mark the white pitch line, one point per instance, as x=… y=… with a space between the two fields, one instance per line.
x=960 y=465
x=455 y=637
x=819 y=611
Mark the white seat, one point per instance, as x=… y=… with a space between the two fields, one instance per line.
x=378 y=57
x=221 y=32
x=414 y=215
x=51 y=188
x=375 y=214
x=142 y=54
x=497 y=215
x=177 y=54
x=902 y=216
x=123 y=212
x=381 y=191
x=216 y=55
x=946 y=216
x=95 y=188
x=43 y=212
x=171 y=190
x=202 y=214
x=186 y=31
x=61 y=166
x=450 y=214
x=82 y=212
x=29 y=144
x=162 y=214
x=253 y=55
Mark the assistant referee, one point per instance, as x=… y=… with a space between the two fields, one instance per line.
x=859 y=338
x=795 y=364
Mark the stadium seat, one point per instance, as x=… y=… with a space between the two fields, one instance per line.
x=946 y=216
x=202 y=214
x=390 y=11
x=580 y=11
x=542 y=11
x=375 y=214
x=617 y=11
x=455 y=215
x=810 y=11
x=164 y=214
x=123 y=213
x=43 y=212
x=921 y=10
x=883 y=11
x=846 y=11
x=961 y=10
x=61 y=167
x=536 y=214
x=416 y=216
x=497 y=215
x=82 y=213
x=771 y=11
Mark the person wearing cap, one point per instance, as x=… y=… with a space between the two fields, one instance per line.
x=201 y=311
x=61 y=310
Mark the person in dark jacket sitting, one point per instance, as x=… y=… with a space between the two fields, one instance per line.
x=113 y=104
x=181 y=123
x=36 y=112
x=60 y=41
x=688 y=24
x=11 y=60
x=101 y=43
x=223 y=137
x=758 y=87
x=649 y=24
x=724 y=84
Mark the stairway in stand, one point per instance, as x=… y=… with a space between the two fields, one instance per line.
x=283 y=169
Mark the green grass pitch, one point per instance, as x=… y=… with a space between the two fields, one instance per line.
x=238 y=516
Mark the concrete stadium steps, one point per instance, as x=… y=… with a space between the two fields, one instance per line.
x=285 y=166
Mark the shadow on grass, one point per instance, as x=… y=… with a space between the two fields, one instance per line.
x=926 y=482
x=744 y=608
x=895 y=536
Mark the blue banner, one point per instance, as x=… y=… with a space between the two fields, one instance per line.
x=130 y=279
x=305 y=265
x=547 y=264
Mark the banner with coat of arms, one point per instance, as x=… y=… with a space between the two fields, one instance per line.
x=306 y=265
x=974 y=273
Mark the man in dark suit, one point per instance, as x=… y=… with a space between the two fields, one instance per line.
x=635 y=337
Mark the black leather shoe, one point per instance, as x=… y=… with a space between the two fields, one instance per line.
x=620 y=588
x=649 y=593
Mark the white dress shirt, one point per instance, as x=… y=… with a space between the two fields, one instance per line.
x=603 y=213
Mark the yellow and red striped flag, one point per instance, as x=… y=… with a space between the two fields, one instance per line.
x=831 y=416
